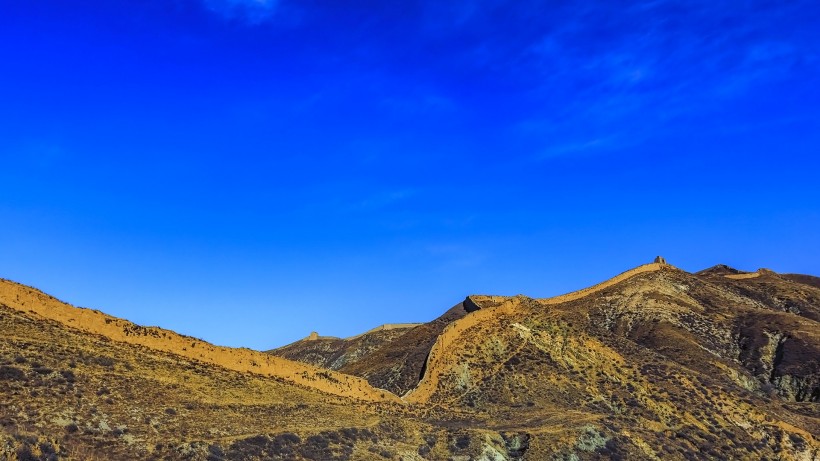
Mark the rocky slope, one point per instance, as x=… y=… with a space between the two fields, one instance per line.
x=335 y=353
x=396 y=364
x=664 y=359
x=656 y=363
x=399 y=365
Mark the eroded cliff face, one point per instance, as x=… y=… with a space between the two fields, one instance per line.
x=777 y=333
x=783 y=358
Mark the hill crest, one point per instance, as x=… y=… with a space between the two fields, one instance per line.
x=30 y=300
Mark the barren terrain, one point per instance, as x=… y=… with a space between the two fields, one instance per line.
x=656 y=363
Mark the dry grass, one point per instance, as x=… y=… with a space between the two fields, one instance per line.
x=654 y=364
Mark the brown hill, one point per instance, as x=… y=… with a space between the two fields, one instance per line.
x=720 y=269
x=805 y=279
x=656 y=353
x=30 y=300
x=335 y=353
x=655 y=363
x=396 y=364
x=69 y=394
x=793 y=293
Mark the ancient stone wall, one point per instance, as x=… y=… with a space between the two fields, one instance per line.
x=440 y=356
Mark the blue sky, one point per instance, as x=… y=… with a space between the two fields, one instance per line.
x=249 y=171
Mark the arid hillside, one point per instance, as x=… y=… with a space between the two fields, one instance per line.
x=335 y=353
x=655 y=363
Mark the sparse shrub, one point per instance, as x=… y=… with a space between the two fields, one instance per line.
x=103 y=361
x=170 y=411
x=24 y=454
x=798 y=442
x=47 y=449
x=354 y=434
x=282 y=445
x=462 y=441
x=288 y=437
x=68 y=375
x=11 y=373
x=215 y=453
x=326 y=445
x=384 y=453
x=255 y=447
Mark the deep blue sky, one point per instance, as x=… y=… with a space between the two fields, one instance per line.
x=249 y=171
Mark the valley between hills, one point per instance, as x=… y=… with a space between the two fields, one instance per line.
x=655 y=363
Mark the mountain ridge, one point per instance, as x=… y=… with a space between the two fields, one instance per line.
x=450 y=334
x=654 y=363
x=29 y=299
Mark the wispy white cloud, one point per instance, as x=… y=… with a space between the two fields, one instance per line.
x=659 y=64
x=253 y=11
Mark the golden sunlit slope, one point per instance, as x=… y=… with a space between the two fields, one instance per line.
x=78 y=395
x=656 y=358
x=656 y=363
x=66 y=394
x=393 y=362
x=28 y=299
x=490 y=310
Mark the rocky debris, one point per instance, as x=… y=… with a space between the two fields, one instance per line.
x=516 y=444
